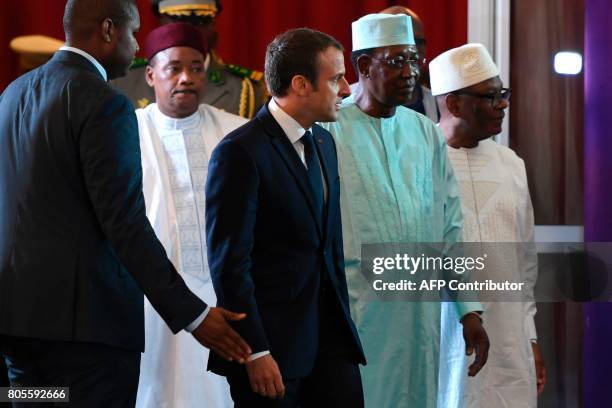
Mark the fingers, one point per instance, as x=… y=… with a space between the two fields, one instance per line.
x=265 y=377
x=541 y=380
x=230 y=345
x=280 y=387
x=270 y=386
x=469 y=348
x=232 y=335
x=216 y=334
x=223 y=354
x=237 y=342
x=257 y=386
x=469 y=343
x=475 y=367
x=540 y=367
x=231 y=315
x=232 y=342
x=482 y=354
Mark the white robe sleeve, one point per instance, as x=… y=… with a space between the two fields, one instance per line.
x=528 y=262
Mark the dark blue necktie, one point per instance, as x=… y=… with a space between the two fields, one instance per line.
x=314 y=172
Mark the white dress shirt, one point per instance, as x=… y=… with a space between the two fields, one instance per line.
x=294 y=132
x=91 y=59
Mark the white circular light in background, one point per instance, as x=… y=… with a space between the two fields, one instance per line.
x=568 y=63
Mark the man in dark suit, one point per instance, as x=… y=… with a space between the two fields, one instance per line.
x=275 y=238
x=76 y=249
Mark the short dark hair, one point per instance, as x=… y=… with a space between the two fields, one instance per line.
x=82 y=17
x=356 y=54
x=295 y=52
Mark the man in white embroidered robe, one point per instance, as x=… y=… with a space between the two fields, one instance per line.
x=496 y=207
x=177 y=138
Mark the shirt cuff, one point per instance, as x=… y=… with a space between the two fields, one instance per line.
x=194 y=325
x=464 y=308
x=530 y=328
x=255 y=356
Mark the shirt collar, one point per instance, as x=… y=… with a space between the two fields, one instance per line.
x=290 y=126
x=91 y=59
x=168 y=123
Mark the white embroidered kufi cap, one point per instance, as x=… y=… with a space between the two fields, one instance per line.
x=461 y=67
x=382 y=30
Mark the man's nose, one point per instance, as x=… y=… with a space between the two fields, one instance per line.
x=344 y=89
x=186 y=76
x=411 y=70
x=503 y=104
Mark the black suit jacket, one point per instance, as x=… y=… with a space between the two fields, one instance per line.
x=76 y=248
x=266 y=248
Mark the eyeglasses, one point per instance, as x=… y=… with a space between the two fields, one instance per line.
x=400 y=62
x=494 y=99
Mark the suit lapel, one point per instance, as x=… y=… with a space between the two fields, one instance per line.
x=283 y=146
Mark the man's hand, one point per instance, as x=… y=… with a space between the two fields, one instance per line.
x=265 y=377
x=476 y=338
x=215 y=333
x=540 y=367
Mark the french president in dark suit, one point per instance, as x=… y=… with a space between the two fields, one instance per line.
x=274 y=236
x=76 y=249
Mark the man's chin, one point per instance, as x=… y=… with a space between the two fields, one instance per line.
x=115 y=73
x=330 y=117
x=495 y=130
x=405 y=97
x=185 y=111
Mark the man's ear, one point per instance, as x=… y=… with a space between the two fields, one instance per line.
x=149 y=75
x=108 y=30
x=300 y=85
x=363 y=65
x=453 y=104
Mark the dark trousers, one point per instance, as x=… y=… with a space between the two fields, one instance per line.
x=334 y=381
x=4 y=382
x=97 y=375
x=3 y=374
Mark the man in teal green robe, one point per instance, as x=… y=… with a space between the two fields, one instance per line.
x=397 y=186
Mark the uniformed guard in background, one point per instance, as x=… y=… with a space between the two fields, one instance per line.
x=229 y=87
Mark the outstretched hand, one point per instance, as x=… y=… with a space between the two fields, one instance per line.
x=215 y=333
x=476 y=339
